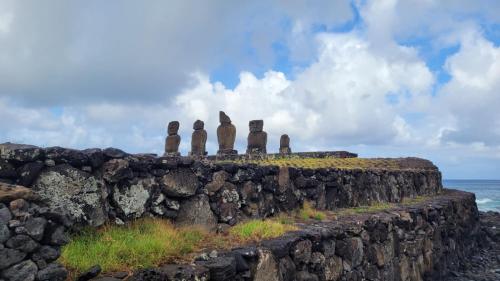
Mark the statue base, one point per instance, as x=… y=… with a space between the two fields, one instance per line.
x=227 y=154
x=198 y=154
x=256 y=151
x=285 y=150
x=171 y=154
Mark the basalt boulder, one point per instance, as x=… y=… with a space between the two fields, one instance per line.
x=181 y=182
x=60 y=155
x=131 y=199
x=20 y=153
x=78 y=194
x=196 y=211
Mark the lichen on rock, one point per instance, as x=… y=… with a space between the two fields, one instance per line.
x=78 y=194
x=131 y=199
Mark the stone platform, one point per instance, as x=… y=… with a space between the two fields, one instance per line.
x=423 y=241
x=95 y=186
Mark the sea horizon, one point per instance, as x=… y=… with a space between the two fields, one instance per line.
x=487 y=191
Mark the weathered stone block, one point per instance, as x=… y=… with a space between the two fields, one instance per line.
x=267 y=268
x=53 y=272
x=301 y=252
x=22 y=243
x=196 y=211
x=180 y=183
x=29 y=172
x=185 y=272
x=351 y=250
x=75 y=158
x=9 y=257
x=221 y=268
x=35 y=227
x=20 y=153
x=116 y=170
x=132 y=197
x=333 y=268
x=74 y=192
x=23 y=271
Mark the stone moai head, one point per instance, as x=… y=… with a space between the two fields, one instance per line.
x=198 y=125
x=223 y=118
x=285 y=144
x=198 y=139
x=256 y=126
x=173 y=128
x=285 y=141
x=226 y=135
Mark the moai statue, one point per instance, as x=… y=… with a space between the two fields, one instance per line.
x=285 y=144
x=173 y=140
x=226 y=135
x=199 y=139
x=257 y=138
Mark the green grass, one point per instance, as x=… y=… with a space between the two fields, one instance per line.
x=151 y=242
x=254 y=230
x=377 y=207
x=329 y=162
x=144 y=243
x=415 y=200
x=308 y=212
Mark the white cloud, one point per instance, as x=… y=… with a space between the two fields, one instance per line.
x=85 y=75
x=332 y=102
x=471 y=97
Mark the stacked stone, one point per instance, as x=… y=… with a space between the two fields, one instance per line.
x=425 y=241
x=31 y=236
x=95 y=186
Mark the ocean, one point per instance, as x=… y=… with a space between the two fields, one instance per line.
x=487 y=192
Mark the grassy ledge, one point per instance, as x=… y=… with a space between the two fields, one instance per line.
x=317 y=163
x=150 y=242
x=143 y=243
x=255 y=230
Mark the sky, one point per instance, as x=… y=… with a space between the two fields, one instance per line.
x=382 y=78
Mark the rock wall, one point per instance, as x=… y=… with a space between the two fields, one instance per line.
x=31 y=236
x=420 y=242
x=94 y=186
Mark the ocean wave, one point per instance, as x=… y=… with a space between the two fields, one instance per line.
x=483 y=201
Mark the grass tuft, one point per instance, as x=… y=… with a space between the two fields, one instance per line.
x=143 y=243
x=377 y=207
x=255 y=230
x=150 y=242
x=308 y=212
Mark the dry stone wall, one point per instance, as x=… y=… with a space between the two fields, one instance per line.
x=31 y=237
x=94 y=186
x=425 y=241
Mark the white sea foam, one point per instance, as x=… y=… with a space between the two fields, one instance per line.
x=483 y=201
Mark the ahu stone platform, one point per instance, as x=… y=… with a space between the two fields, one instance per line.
x=95 y=186
x=424 y=241
x=58 y=189
x=420 y=241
